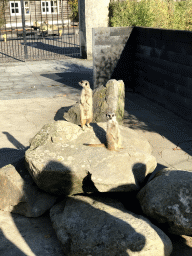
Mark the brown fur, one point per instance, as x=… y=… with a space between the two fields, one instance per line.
x=86 y=104
x=112 y=134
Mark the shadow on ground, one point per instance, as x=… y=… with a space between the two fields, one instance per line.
x=10 y=155
x=72 y=74
x=143 y=114
x=46 y=48
x=180 y=246
x=7 y=248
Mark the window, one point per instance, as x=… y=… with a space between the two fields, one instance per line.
x=26 y=7
x=54 y=7
x=15 y=8
x=48 y=7
x=45 y=7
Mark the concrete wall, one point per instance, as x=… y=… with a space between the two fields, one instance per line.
x=108 y=45
x=154 y=62
x=163 y=68
x=92 y=14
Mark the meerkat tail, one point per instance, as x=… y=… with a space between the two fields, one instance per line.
x=95 y=145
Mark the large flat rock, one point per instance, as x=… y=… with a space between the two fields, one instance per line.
x=102 y=226
x=60 y=163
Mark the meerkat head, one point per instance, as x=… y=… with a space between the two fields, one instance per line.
x=111 y=116
x=84 y=83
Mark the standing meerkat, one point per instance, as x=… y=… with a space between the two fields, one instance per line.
x=86 y=104
x=113 y=137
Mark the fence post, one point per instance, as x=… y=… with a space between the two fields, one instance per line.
x=24 y=30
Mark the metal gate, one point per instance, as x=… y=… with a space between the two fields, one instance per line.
x=36 y=30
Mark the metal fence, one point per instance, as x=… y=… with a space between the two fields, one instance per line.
x=34 y=30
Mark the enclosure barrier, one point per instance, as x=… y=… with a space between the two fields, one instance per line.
x=154 y=62
x=36 y=30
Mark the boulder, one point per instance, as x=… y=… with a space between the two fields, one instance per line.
x=167 y=198
x=73 y=114
x=61 y=163
x=19 y=194
x=102 y=226
x=111 y=96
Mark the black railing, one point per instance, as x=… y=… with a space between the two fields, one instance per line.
x=34 y=30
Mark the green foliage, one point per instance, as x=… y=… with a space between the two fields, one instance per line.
x=130 y=13
x=183 y=15
x=152 y=13
x=74 y=8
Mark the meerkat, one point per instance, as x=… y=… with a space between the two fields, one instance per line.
x=86 y=104
x=113 y=137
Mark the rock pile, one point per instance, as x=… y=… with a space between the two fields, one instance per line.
x=91 y=224
x=93 y=187
x=61 y=164
x=98 y=226
x=111 y=96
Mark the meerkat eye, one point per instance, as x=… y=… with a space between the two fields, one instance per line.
x=85 y=83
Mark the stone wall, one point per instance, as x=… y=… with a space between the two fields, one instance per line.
x=154 y=62
x=163 y=68
x=108 y=47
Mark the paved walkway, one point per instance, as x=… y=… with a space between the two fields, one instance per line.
x=169 y=135
x=42 y=79
x=35 y=93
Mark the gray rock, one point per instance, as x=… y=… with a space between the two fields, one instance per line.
x=167 y=199
x=60 y=163
x=97 y=226
x=111 y=96
x=19 y=194
x=73 y=114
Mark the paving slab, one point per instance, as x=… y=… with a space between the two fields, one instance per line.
x=42 y=76
x=169 y=135
x=38 y=239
